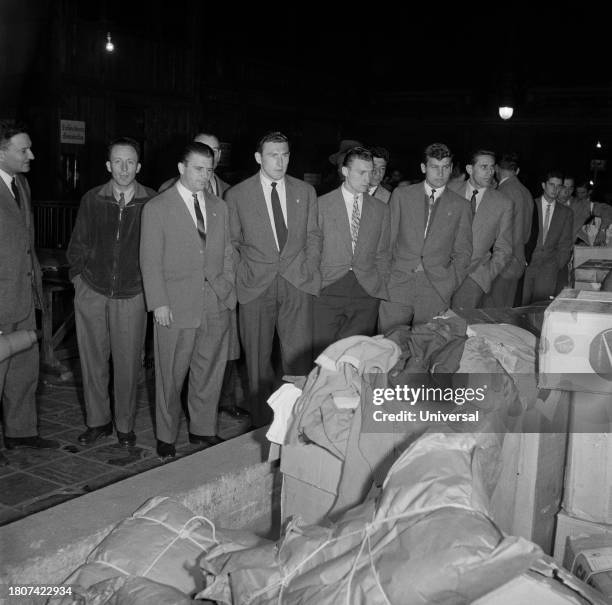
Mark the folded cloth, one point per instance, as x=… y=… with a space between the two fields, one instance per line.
x=282 y=401
x=366 y=353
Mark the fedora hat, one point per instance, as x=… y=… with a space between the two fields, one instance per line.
x=345 y=145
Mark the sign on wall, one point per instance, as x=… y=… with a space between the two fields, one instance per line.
x=72 y=131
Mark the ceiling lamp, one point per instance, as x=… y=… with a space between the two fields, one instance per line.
x=506 y=112
x=110 y=47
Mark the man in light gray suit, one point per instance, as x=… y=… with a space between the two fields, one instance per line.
x=187 y=263
x=20 y=291
x=381 y=159
x=273 y=223
x=491 y=231
x=355 y=255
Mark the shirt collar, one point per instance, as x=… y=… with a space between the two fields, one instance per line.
x=348 y=196
x=545 y=200
x=186 y=194
x=6 y=177
x=429 y=189
x=267 y=182
x=107 y=190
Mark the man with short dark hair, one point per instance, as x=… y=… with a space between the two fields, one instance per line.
x=187 y=265
x=354 y=256
x=431 y=244
x=381 y=159
x=491 y=230
x=504 y=287
x=216 y=185
x=109 y=306
x=21 y=291
x=550 y=245
x=273 y=222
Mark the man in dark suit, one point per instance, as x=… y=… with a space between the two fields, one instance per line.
x=551 y=242
x=504 y=287
x=354 y=257
x=491 y=231
x=187 y=265
x=216 y=185
x=381 y=160
x=431 y=244
x=20 y=290
x=273 y=222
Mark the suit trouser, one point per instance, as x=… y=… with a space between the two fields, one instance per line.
x=203 y=351
x=502 y=293
x=468 y=295
x=420 y=305
x=288 y=310
x=18 y=382
x=343 y=309
x=539 y=283
x=108 y=327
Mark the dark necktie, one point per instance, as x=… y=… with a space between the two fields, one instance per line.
x=199 y=218
x=473 y=202
x=431 y=202
x=16 y=192
x=279 y=219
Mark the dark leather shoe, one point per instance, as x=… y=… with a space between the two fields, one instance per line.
x=165 y=450
x=126 y=439
x=236 y=412
x=205 y=440
x=35 y=442
x=93 y=433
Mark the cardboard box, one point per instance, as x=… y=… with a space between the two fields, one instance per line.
x=568 y=526
x=528 y=493
x=576 y=342
x=584 y=253
x=310 y=482
x=587 y=285
x=594 y=270
x=590 y=560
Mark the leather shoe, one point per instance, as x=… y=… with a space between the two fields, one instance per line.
x=93 y=433
x=165 y=450
x=236 y=412
x=36 y=442
x=126 y=439
x=205 y=440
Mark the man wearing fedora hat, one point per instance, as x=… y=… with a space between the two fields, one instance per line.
x=335 y=179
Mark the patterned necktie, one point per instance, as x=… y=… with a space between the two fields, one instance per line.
x=355 y=218
x=473 y=202
x=279 y=219
x=209 y=186
x=431 y=201
x=16 y=192
x=546 y=221
x=199 y=219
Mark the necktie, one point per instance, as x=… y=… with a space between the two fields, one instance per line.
x=355 y=218
x=16 y=192
x=121 y=201
x=199 y=218
x=473 y=202
x=279 y=219
x=546 y=220
x=209 y=186
x=431 y=201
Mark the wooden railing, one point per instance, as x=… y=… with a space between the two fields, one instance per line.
x=53 y=223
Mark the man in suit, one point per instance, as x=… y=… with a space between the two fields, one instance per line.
x=216 y=185
x=187 y=265
x=491 y=231
x=381 y=160
x=273 y=222
x=20 y=290
x=354 y=257
x=550 y=244
x=431 y=244
x=110 y=313
x=505 y=285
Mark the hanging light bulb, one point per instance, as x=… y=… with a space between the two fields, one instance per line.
x=506 y=112
x=110 y=47
x=591 y=183
x=598 y=145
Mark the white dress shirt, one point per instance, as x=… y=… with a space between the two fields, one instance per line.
x=349 y=200
x=429 y=189
x=545 y=203
x=188 y=199
x=7 y=178
x=470 y=189
x=266 y=184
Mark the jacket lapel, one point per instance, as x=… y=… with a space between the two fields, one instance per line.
x=343 y=225
x=366 y=223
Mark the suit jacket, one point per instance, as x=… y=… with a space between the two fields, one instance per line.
x=522 y=203
x=20 y=274
x=445 y=253
x=382 y=194
x=253 y=238
x=491 y=237
x=557 y=248
x=370 y=261
x=174 y=262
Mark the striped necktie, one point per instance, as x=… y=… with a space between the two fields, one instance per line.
x=199 y=219
x=355 y=218
x=431 y=201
